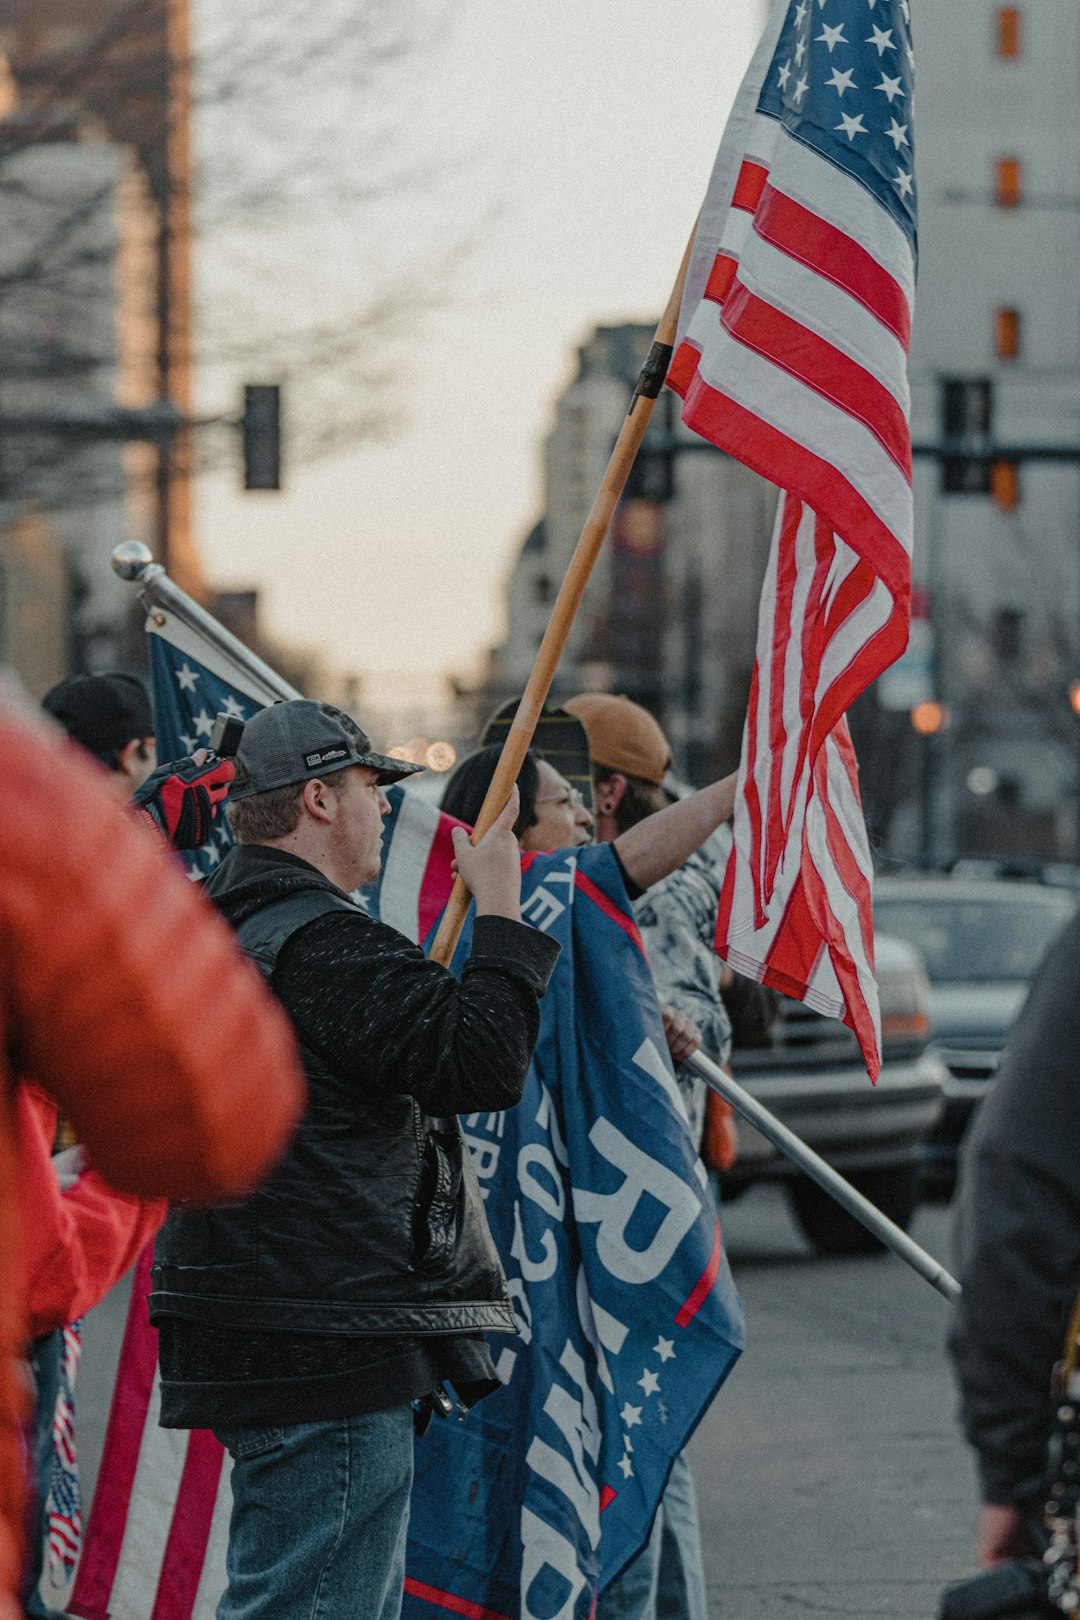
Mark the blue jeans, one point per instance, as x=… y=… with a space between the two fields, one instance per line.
x=666 y=1581
x=319 y=1516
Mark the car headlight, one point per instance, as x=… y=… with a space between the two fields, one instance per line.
x=903 y=989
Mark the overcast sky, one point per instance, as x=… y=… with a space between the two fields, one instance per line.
x=586 y=130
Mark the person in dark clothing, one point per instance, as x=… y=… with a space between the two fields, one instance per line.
x=1018 y=1251
x=111 y=717
x=302 y=1325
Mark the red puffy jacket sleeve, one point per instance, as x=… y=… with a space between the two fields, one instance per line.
x=79 y=1242
x=125 y=996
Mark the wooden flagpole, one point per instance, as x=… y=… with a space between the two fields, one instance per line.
x=568 y=601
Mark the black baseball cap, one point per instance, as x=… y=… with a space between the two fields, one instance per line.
x=295 y=741
x=102 y=712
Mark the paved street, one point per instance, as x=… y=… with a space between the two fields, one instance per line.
x=831 y=1477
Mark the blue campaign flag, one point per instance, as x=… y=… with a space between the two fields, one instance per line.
x=629 y=1317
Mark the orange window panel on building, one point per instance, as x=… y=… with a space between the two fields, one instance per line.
x=1008 y=182
x=1005 y=485
x=1007 y=334
x=1009 y=40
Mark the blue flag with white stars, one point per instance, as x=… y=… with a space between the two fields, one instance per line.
x=188 y=696
x=841 y=82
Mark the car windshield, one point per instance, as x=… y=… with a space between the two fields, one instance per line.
x=974 y=941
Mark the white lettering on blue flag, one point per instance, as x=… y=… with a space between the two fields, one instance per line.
x=643 y=1178
x=549 y=1567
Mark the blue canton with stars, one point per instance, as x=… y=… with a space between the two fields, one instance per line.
x=187 y=699
x=841 y=82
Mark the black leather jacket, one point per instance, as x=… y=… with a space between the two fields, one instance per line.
x=1018 y=1234
x=373 y=1223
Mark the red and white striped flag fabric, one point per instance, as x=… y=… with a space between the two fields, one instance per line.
x=155 y=1543
x=792 y=357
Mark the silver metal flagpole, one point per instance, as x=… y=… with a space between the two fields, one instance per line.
x=157 y=592
x=861 y=1208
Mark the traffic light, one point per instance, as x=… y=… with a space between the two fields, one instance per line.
x=261 y=426
x=967 y=413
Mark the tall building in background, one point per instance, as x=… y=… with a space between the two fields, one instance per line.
x=995 y=357
x=95 y=301
x=669 y=616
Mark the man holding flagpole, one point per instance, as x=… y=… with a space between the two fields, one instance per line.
x=305 y=1325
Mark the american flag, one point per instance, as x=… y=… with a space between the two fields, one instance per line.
x=793 y=359
x=155 y=1543
x=63 y=1507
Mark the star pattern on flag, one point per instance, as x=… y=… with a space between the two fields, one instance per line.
x=831 y=37
x=649 y=1382
x=188 y=695
x=852 y=126
x=842 y=81
x=630 y=1414
x=665 y=1349
x=626 y=1466
x=824 y=57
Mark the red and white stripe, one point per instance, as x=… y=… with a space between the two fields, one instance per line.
x=155 y=1542
x=795 y=909
x=793 y=359
x=417 y=878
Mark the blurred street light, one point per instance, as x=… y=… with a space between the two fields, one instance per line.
x=929 y=718
x=414 y=751
x=441 y=756
x=983 y=780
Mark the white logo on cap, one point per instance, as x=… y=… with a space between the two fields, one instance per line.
x=325 y=756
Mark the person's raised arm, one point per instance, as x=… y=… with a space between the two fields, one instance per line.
x=662 y=842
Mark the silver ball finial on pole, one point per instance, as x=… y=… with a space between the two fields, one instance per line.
x=130 y=559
